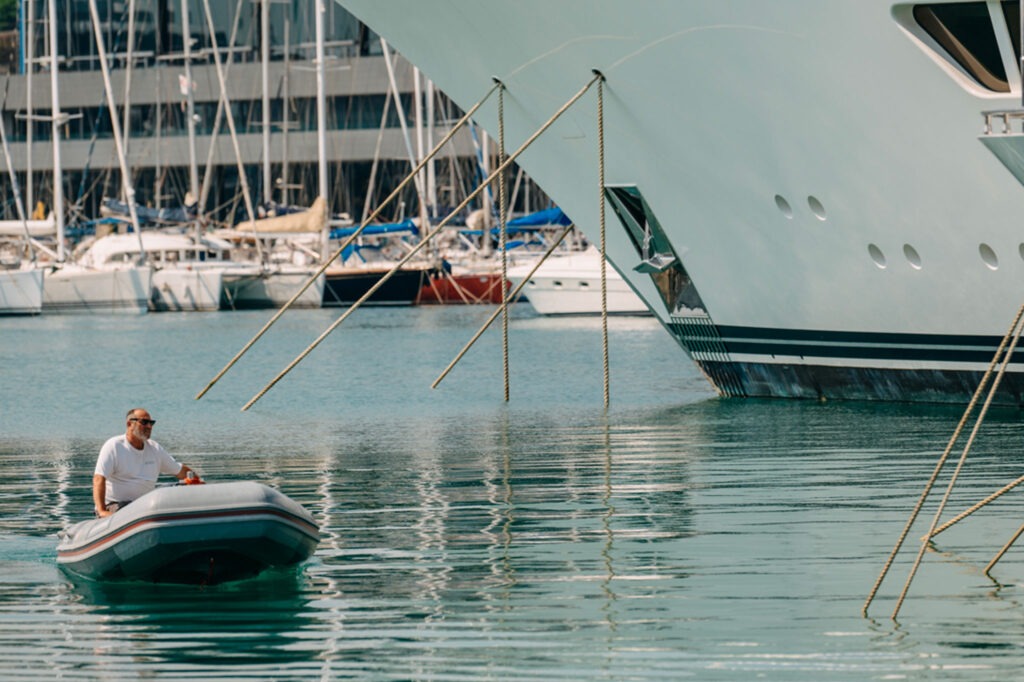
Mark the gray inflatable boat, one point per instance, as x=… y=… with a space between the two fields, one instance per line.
x=194 y=534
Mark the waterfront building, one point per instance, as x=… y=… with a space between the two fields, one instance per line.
x=368 y=149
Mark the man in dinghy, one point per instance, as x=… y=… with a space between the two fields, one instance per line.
x=129 y=465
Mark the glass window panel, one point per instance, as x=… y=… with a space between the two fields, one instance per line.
x=964 y=30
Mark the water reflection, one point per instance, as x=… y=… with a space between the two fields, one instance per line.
x=260 y=622
x=718 y=540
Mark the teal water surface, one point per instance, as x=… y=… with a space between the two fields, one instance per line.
x=675 y=536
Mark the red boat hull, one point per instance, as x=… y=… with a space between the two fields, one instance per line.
x=445 y=288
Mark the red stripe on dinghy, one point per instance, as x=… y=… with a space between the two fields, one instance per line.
x=305 y=526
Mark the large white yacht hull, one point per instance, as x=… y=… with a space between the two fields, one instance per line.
x=839 y=231
x=21 y=291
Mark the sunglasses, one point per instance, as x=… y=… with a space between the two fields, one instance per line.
x=144 y=422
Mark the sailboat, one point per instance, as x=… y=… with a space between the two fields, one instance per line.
x=73 y=287
x=471 y=272
x=189 y=274
x=285 y=249
x=363 y=264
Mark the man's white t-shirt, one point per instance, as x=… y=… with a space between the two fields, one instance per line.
x=132 y=473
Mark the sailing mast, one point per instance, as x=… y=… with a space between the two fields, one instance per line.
x=115 y=124
x=16 y=191
x=126 y=126
x=211 y=147
x=418 y=180
x=30 y=63
x=227 y=111
x=55 y=121
x=265 y=77
x=431 y=166
x=186 y=89
x=285 y=104
x=321 y=124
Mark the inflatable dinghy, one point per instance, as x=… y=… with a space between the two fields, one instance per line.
x=195 y=534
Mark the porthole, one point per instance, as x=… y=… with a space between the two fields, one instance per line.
x=816 y=208
x=988 y=256
x=910 y=253
x=557 y=284
x=783 y=206
x=584 y=285
x=1020 y=250
x=877 y=256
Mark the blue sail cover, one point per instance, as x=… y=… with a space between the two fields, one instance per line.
x=406 y=226
x=549 y=216
x=528 y=223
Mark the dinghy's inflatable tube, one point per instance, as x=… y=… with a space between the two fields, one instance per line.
x=200 y=534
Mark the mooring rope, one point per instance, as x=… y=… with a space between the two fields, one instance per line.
x=967 y=512
x=504 y=240
x=956 y=472
x=942 y=461
x=604 y=260
x=366 y=221
x=1003 y=551
x=465 y=202
x=508 y=299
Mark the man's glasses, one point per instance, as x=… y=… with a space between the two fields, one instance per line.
x=144 y=422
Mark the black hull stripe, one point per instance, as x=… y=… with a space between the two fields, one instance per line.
x=867 y=352
x=839 y=345
x=885 y=338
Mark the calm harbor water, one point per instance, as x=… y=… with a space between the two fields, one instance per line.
x=677 y=536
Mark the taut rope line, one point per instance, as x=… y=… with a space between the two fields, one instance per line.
x=956 y=472
x=511 y=297
x=369 y=219
x=604 y=260
x=465 y=202
x=942 y=461
x=1003 y=551
x=967 y=512
x=504 y=241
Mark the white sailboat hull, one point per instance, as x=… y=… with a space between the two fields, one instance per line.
x=835 y=228
x=74 y=289
x=571 y=285
x=21 y=292
x=274 y=288
x=187 y=289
